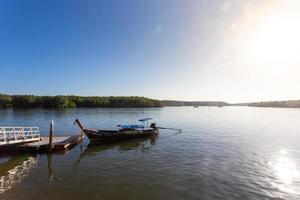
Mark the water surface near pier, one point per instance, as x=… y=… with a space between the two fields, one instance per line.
x=222 y=153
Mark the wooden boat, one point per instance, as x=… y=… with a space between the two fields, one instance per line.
x=123 y=132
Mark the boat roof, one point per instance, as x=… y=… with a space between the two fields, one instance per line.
x=145 y=119
x=130 y=126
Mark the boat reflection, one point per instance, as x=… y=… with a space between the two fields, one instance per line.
x=287 y=173
x=143 y=144
x=15 y=170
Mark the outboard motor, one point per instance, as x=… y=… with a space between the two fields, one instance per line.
x=153 y=125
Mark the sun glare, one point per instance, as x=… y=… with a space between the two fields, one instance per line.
x=286 y=171
x=274 y=40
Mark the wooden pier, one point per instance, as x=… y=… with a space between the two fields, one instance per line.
x=27 y=139
x=59 y=143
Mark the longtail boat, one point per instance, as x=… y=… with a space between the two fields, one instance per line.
x=122 y=132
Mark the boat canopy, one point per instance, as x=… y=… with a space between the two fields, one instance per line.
x=131 y=126
x=145 y=119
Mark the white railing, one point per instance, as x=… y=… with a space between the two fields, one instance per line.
x=14 y=135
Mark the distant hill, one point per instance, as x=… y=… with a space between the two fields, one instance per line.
x=278 y=104
x=239 y=104
x=194 y=103
x=281 y=104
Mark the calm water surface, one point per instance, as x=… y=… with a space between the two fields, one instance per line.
x=222 y=153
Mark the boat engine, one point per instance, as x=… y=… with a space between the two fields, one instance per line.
x=153 y=125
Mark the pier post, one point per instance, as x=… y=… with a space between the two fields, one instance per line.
x=51 y=134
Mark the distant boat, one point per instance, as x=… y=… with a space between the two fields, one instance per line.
x=195 y=106
x=123 y=132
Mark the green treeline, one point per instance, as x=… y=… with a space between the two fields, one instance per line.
x=31 y=101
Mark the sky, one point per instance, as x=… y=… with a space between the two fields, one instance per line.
x=222 y=50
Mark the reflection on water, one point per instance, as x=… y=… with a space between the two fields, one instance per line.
x=125 y=145
x=287 y=172
x=15 y=170
x=50 y=170
x=141 y=144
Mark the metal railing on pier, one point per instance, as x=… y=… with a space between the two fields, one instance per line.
x=15 y=135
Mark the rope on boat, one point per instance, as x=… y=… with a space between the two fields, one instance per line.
x=174 y=129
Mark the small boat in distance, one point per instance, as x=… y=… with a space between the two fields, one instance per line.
x=123 y=132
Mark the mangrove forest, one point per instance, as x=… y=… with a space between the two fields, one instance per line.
x=31 y=101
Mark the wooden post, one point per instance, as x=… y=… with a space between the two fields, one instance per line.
x=51 y=134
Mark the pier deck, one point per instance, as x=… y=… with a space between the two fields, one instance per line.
x=59 y=143
x=28 y=139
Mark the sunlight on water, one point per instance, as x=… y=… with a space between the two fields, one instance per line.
x=286 y=171
x=16 y=172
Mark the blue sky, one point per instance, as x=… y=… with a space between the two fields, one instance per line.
x=170 y=49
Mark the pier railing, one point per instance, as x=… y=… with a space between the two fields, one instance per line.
x=14 y=135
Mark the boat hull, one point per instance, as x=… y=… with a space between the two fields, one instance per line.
x=107 y=136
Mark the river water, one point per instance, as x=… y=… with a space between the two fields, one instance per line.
x=221 y=153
